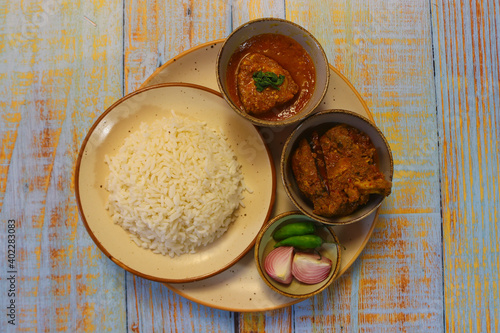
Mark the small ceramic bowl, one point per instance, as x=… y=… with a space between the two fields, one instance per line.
x=282 y=27
x=265 y=244
x=321 y=121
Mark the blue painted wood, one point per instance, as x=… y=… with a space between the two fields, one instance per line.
x=57 y=73
x=466 y=57
x=153 y=307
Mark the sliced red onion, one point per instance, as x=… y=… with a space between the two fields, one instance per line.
x=310 y=268
x=278 y=264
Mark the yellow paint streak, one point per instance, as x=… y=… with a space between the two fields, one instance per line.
x=11 y=117
x=10 y=122
x=466 y=116
x=99 y=4
x=447 y=215
x=31 y=281
x=87 y=311
x=57 y=256
x=88 y=255
x=38 y=219
x=134 y=325
x=143 y=34
x=390 y=245
x=62 y=315
x=61 y=285
x=87 y=289
x=188 y=24
x=252 y=322
x=7 y=141
x=27 y=317
x=45 y=72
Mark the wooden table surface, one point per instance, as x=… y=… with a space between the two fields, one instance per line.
x=429 y=72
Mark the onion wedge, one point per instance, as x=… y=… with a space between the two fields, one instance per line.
x=310 y=268
x=278 y=264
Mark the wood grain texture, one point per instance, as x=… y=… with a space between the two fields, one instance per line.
x=156 y=31
x=466 y=43
x=157 y=309
x=58 y=72
x=396 y=284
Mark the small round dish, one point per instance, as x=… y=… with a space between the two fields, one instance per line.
x=320 y=122
x=241 y=35
x=265 y=244
x=107 y=135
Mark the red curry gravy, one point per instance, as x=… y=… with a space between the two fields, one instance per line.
x=290 y=55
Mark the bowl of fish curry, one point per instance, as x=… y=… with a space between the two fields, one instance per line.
x=272 y=72
x=337 y=167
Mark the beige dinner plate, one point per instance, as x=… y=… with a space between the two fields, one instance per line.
x=107 y=135
x=240 y=288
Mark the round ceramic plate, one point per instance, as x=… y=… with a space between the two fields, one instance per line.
x=241 y=288
x=147 y=105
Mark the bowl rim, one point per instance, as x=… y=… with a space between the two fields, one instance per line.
x=270 y=123
x=258 y=243
x=334 y=221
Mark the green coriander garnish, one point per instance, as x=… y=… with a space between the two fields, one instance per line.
x=268 y=79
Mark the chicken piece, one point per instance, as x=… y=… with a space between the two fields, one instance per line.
x=375 y=184
x=310 y=182
x=349 y=157
x=255 y=102
x=306 y=173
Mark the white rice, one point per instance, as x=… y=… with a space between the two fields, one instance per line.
x=174 y=185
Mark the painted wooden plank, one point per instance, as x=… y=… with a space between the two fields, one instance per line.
x=157 y=308
x=466 y=42
x=155 y=32
x=243 y=11
x=61 y=66
x=396 y=285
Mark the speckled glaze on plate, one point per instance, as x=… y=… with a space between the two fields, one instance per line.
x=240 y=288
x=106 y=137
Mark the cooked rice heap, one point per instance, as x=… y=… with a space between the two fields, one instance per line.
x=174 y=185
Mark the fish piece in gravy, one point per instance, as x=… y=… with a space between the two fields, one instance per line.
x=256 y=102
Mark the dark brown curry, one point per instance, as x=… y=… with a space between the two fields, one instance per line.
x=337 y=170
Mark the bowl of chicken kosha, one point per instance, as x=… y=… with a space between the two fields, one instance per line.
x=272 y=72
x=337 y=167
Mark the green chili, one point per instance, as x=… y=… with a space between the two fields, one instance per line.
x=294 y=229
x=303 y=242
x=268 y=79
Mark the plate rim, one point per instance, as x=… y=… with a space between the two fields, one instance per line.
x=89 y=229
